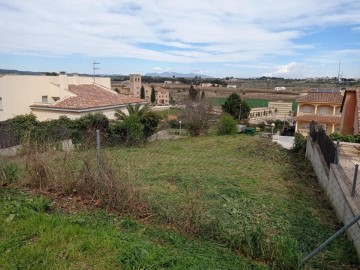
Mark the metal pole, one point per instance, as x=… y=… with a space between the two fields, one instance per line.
x=98 y=152
x=354 y=181
x=328 y=241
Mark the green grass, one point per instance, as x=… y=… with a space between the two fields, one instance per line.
x=34 y=236
x=244 y=192
x=235 y=202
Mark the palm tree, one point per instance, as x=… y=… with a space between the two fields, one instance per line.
x=138 y=110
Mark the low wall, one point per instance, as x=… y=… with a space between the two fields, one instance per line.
x=66 y=145
x=332 y=181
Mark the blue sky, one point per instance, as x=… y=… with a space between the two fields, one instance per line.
x=292 y=39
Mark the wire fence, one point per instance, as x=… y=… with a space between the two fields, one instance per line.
x=349 y=162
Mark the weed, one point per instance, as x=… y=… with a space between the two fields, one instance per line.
x=9 y=173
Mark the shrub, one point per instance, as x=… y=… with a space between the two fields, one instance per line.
x=196 y=118
x=227 y=125
x=299 y=143
x=131 y=131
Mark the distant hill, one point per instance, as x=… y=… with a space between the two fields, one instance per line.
x=14 y=71
x=176 y=75
x=163 y=75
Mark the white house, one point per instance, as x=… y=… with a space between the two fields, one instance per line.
x=49 y=97
x=280 y=88
x=231 y=86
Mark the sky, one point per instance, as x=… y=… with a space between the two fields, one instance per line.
x=290 y=39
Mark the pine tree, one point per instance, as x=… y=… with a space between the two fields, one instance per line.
x=192 y=93
x=142 y=92
x=152 y=97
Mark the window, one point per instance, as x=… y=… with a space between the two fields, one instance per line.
x=44 y=99
x=1 y=104
x=55 y=99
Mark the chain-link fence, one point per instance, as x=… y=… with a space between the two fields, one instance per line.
x=349 y=162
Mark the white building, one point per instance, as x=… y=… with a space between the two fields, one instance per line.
x=49 y=97
x=231 y=86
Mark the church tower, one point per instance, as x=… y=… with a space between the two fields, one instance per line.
x=135 y=84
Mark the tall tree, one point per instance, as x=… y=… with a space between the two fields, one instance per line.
x=236 y=107
x=152 y=96
x=142 y=92
x=192 y=93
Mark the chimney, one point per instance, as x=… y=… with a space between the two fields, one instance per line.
x=63 y=83
x=76 y=79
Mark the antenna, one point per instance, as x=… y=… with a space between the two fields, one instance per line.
x=339 y=81
x=95 y=68
x=339 y=76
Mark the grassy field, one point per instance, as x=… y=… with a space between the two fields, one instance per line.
x=35 y=236
x=216 y=202
x=253 y=103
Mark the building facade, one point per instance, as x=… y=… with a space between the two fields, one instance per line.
x=49 y=97
x=321 y=107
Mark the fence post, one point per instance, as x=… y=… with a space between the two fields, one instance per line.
x=354 y=181
x=98 y=152
x=332 y=238
x=337 y=152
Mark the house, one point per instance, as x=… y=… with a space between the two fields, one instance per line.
x=320 y=106
x=280 y=88
x=281 y=110
x=260 y=113
x=168 y=82
x=231 y=86
x=49 y=97
x=162 y=96
x=350 y=115
x=206 y=85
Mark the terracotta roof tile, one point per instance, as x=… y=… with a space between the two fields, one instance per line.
x=319 y=118
x=89 y=96
x=321 y=98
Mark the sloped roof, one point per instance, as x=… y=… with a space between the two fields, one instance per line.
x=321 y=98
x=319 y=118
x=89 y=96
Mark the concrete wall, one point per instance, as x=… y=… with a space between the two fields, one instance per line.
x=43 y=115
x=333 y=182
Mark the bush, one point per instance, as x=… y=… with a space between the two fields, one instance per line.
x=227 y=125
x=131 y=131
x=299 y=143
x=196 y=118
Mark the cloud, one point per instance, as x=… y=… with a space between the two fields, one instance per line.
x=227 y=31
x=355 y=29
x=158 y=69
x=290 y=70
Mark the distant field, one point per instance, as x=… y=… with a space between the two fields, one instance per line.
x=253 y=103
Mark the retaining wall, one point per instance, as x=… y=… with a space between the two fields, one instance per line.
x=332 y=181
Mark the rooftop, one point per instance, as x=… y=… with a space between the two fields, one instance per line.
x=319 y=97
x=89 y=96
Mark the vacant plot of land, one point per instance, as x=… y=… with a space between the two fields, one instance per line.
x=221 y=202
x=33 y=236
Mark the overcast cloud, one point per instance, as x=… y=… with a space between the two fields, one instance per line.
x=225 y=32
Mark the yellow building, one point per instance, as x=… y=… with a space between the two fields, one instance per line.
x=49 y=97
x=321 y=107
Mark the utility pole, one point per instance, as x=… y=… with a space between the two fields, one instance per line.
x=95 y=68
